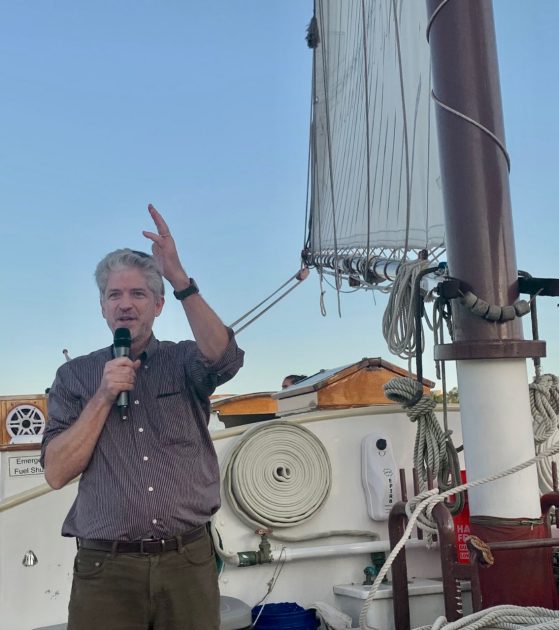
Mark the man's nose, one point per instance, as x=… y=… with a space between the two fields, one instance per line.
x=125 y=303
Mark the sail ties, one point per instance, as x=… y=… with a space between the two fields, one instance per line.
x=313 y=36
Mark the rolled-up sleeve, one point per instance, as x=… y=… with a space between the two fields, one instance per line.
x=207 y=375
x=64 y=407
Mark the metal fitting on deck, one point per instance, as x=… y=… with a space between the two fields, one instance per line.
x=262 y=556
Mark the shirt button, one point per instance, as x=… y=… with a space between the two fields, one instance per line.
x=154 y=521
x=146 y=458
x=146 y=367
x=140 y=430
x=150 y=489
x=136 y=402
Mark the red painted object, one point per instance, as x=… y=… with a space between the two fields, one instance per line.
x=462 y=527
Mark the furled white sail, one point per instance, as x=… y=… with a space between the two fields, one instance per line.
x=375 y=181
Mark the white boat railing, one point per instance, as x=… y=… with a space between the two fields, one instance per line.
x=28 y=495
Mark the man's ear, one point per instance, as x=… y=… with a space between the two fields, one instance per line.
x=159 y=306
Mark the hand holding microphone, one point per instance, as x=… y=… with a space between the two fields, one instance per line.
x=122 y=342
x=120 y=374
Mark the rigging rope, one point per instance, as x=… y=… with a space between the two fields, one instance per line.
x=300 y=275
x=433 y=450
x=398 y=322
x=427 y=502
x=476 y=124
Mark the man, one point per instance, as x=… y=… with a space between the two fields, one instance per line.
x=292 y=379
x=150 y=481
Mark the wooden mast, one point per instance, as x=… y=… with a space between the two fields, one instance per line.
x=491 y=357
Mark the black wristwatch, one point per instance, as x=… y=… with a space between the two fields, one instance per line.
x=191 y=289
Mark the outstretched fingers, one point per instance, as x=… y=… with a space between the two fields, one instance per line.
x=160 y=224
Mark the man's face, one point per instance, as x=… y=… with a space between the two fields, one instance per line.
x=129 y=303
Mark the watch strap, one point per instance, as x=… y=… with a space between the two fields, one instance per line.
x=191 y=289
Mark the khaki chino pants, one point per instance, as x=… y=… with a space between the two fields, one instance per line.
x=174 y=590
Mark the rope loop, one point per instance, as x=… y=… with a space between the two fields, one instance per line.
x=424 y=406
x=433 y=450
x=403 y=390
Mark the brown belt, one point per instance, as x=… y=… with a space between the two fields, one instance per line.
x=146 y=545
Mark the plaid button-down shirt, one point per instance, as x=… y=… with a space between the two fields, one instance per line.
x=156 y=473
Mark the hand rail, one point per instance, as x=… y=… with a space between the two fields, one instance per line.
x=28 y=495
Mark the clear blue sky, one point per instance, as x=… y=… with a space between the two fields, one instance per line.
x=202 y=108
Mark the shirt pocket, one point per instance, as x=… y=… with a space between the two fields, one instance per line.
x=175 y=423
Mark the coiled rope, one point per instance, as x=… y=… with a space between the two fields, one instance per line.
x=277 y=475
x=398 y=322
x=505 y=617
x=433 y=449
x=544 y=405
x=427 y=502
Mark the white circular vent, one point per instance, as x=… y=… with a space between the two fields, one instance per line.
x=25 y=423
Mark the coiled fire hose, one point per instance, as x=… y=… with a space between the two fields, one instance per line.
x=277 y=475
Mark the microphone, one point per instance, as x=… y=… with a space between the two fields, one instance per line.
x=122 y=343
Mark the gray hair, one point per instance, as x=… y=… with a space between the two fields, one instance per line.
x=122 y=259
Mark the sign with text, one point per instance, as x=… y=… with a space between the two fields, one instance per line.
x=25 y=465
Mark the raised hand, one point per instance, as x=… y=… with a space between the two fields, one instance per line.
x=165 y=251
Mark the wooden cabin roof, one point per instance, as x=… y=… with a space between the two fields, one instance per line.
x=380 y=370
x=256 y=403
x=356 y=385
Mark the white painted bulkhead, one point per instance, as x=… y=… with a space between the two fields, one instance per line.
x=342 y=433
x=37 y=595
